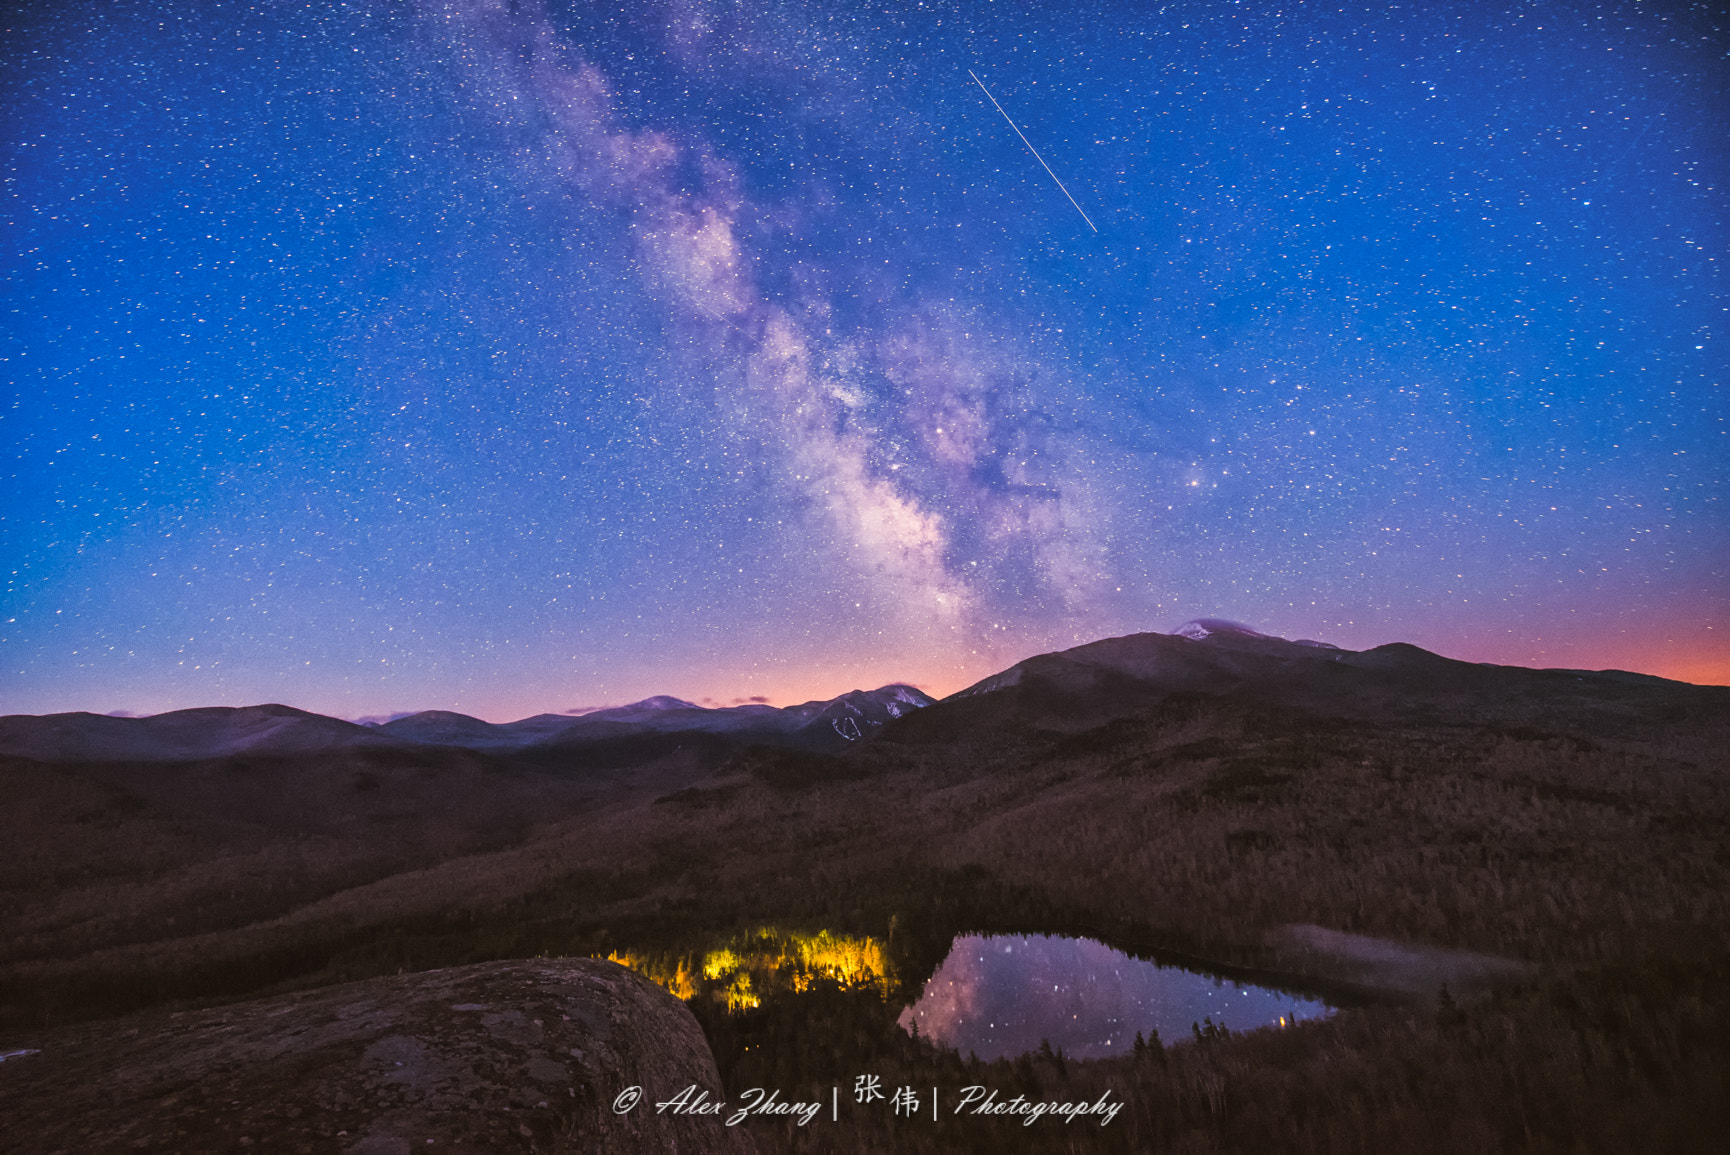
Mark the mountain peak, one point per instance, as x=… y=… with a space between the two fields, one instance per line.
x=662 y=702
x=1200 y=629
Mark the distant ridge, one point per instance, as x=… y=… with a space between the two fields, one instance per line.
x=181 y=735
x=225 y=731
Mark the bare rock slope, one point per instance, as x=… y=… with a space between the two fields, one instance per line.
x=499 y=1057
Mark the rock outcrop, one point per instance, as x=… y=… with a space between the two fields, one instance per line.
x=498 y=1057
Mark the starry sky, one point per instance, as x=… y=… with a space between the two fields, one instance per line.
x=516 y=357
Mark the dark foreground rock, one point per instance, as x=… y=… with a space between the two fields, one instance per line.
x=500 y=1057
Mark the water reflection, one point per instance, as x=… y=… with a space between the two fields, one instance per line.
x=1003 y=995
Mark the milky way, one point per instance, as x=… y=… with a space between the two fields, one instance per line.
x=520 y=357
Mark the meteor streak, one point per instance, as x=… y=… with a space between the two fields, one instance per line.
x=1031 y=149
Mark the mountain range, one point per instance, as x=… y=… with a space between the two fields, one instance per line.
x=1081 y=686
x=223 y=731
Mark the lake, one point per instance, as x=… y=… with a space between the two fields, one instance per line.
x=999 y=996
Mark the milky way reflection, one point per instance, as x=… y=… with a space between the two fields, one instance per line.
x=1002 y=995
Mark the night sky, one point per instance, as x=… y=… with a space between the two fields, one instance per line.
x=503 y=358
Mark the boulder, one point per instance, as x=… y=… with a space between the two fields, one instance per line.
x=500 y=1057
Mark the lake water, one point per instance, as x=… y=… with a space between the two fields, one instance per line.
x=1000 y=996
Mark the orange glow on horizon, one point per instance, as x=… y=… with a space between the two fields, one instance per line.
x=789 y=687
x=1702 y=659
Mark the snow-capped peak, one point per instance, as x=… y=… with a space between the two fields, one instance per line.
x=1201 y=628
x=662 y=702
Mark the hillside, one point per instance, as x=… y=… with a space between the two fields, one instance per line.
x=1228 y=798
